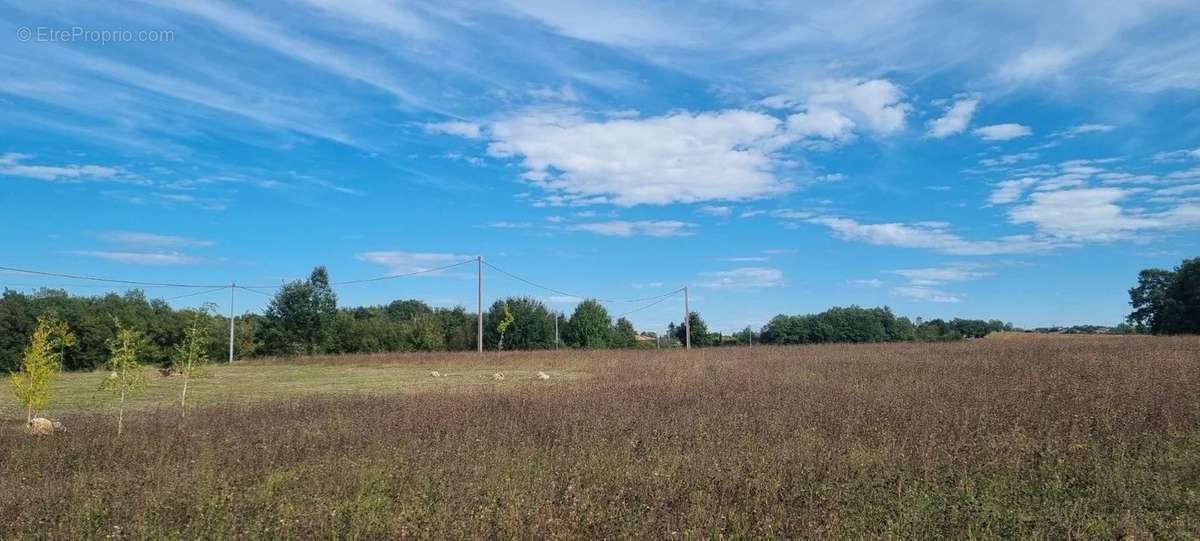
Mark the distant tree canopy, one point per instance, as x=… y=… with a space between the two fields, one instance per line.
x=623 y=334
x=303 y=318
x=590 y=327
x=857 y=324
x=699 y=331
x=532 y=326
x=1167 y=302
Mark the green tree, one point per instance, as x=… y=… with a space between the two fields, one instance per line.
x=41 y=361
x=624 y=335
x=502 y=326
x=300 y=318
x=126 y=376
x=1167 y=302
x=191 y=355
x=1149 y=299
x=589 y=326
x=699 y=331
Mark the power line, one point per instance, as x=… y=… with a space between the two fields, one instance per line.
x=109 y=280
x=640 y=308
x=565 y=294
x=252 y=291
x=405 y=275
x=215 y=289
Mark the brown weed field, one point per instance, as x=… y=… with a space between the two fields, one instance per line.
x=1051 y=438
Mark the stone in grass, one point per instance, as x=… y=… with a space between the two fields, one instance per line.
x=40 y=426
x=498 y=376
x=435 y=374
x=543 y=375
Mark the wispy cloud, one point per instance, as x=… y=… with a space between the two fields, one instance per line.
x=743 y=278
x=151 y=239
x=1002 y=132
x=650 y=228
x=955 y=120
x=141 y=258
x=398 y=262
x=13 y=165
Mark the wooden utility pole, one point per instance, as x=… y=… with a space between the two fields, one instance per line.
x=687 y=320
x=232 y=287
x=479 y=304
x=555 y=331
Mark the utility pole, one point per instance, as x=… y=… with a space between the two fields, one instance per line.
x=555 y=331
x=232 y=288
x=479 y=327
x=687 y=320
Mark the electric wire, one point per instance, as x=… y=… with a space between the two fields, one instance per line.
x=109 y=280
x=572 y=295
x=215 y=289
x=640 y=308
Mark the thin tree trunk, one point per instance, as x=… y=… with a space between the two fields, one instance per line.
x=121 y=414
x=183 y=397
x=29 y=415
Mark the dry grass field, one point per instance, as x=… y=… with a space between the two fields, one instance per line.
x=1052 y=438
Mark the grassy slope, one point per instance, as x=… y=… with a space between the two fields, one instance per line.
x=1051 y=439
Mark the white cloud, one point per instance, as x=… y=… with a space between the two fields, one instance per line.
x=509 y=225
x=933 y=236
x=1176 y=156
x=1002 y=132
x=925 y=293
x=1076 y=131
x=141 y=258
x=408 y=262
x=745 y=259
x=151 y=239
x=680 y=157
x=955 y=121
x=832 y=177
x=1094 y=214
x=718 y=211
x=468 y=130
x=565 y=93
x=924 y=284
x=11 y=165
x=1008 y=159
x=623 y=228
x=873 y=282
x=821 y=122
x=929 y=276
x=743 y=278
x=789 y=214
x=1037 y=63
x=876 y=104
x=1009 y=191
x=833 y=108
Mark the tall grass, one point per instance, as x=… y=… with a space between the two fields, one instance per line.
x=1067 y=438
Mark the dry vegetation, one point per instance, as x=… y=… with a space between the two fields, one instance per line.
x=1047 y=438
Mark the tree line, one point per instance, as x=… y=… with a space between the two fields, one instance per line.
x=304 y=318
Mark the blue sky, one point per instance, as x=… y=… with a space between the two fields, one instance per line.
x=947 y=159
